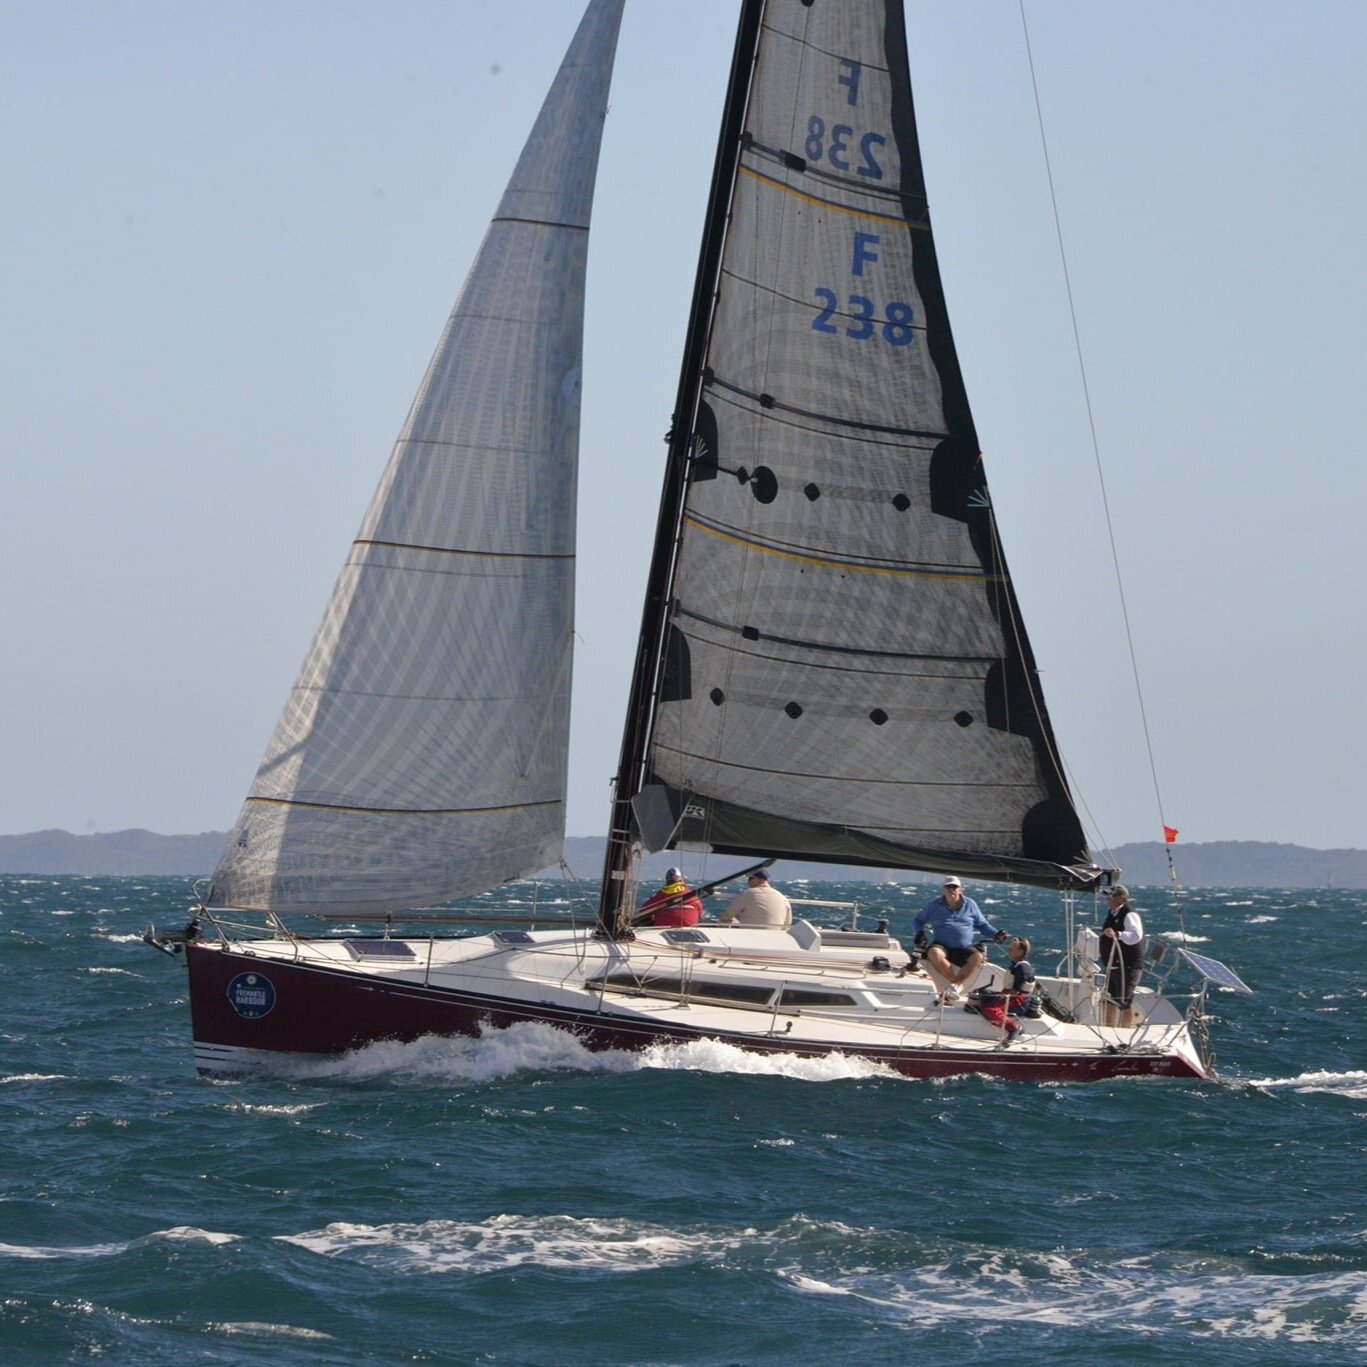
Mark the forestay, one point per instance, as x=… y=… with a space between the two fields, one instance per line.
x=844 y=675
x=422 y=752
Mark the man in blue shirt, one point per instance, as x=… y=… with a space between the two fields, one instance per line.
x=955 y=921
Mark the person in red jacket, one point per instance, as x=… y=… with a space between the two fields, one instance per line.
x=678 y=906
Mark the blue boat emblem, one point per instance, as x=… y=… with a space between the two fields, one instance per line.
x=251 y=996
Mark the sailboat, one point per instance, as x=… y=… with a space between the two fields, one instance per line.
x=832 y=664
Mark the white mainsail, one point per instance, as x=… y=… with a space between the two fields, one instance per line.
x=422 y=752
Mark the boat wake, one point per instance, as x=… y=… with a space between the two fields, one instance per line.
x=532 y=1047
x=1351 y=1084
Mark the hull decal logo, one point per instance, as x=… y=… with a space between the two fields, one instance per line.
x=251 y=996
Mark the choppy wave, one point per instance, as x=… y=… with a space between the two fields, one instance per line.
x=1158 y=1297
x=921 y=1280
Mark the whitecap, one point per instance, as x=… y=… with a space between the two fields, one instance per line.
x=814 y=1286
x=504 y=1241
x=123 y=972
x=1182 y=938
x=188 y=1234
x=36 y=1077
x=1261 y=920
x=246 y=1108
x=262 y=1328
x=82 y=1251
x=175 y=1234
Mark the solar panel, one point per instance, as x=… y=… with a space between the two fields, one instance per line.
x=1213 y=971
x=512 y=937
x=380 y=949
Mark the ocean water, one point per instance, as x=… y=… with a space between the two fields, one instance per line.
x=514 y=1199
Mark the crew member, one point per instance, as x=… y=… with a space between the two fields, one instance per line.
x=761 y=904
x=955 y=921
x=676 y=904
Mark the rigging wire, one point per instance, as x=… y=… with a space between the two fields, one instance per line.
x=1096 y=445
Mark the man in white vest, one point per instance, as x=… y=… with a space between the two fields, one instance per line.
x=759 y=905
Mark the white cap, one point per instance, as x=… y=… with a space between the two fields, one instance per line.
x=952 y=882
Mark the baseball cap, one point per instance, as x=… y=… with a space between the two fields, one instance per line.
x=952 y=882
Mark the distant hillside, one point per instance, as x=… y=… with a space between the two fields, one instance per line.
x=1245 y=864
x=1220 y=863
x=111 y=852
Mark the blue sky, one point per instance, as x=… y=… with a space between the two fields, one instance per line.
x=231 y=234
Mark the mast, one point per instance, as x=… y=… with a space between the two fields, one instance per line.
x=631 y=759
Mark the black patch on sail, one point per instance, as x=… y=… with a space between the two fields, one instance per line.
x=1009 y=704
x=1049 y=831
x=953 y=477
x=677 y=683
x=764 y=484
x=706 y=460
x=956 y=490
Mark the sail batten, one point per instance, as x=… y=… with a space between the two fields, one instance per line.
x=834 y=504
x=422 y=752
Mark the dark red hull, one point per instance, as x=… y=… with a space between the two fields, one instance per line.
x=320 y=1010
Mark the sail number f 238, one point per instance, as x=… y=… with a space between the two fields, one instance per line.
x=864 y=320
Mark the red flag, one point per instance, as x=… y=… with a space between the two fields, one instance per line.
x=1169 y=835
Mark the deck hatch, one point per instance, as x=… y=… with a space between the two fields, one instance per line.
x=379 y=949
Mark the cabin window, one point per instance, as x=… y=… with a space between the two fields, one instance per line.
x=804 y=996
x=749 y=994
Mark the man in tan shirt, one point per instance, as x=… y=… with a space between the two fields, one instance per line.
x=759 y=905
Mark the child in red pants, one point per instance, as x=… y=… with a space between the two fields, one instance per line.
x=999 y=1010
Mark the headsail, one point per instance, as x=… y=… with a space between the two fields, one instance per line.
x=422 y=751
x=842 y=673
